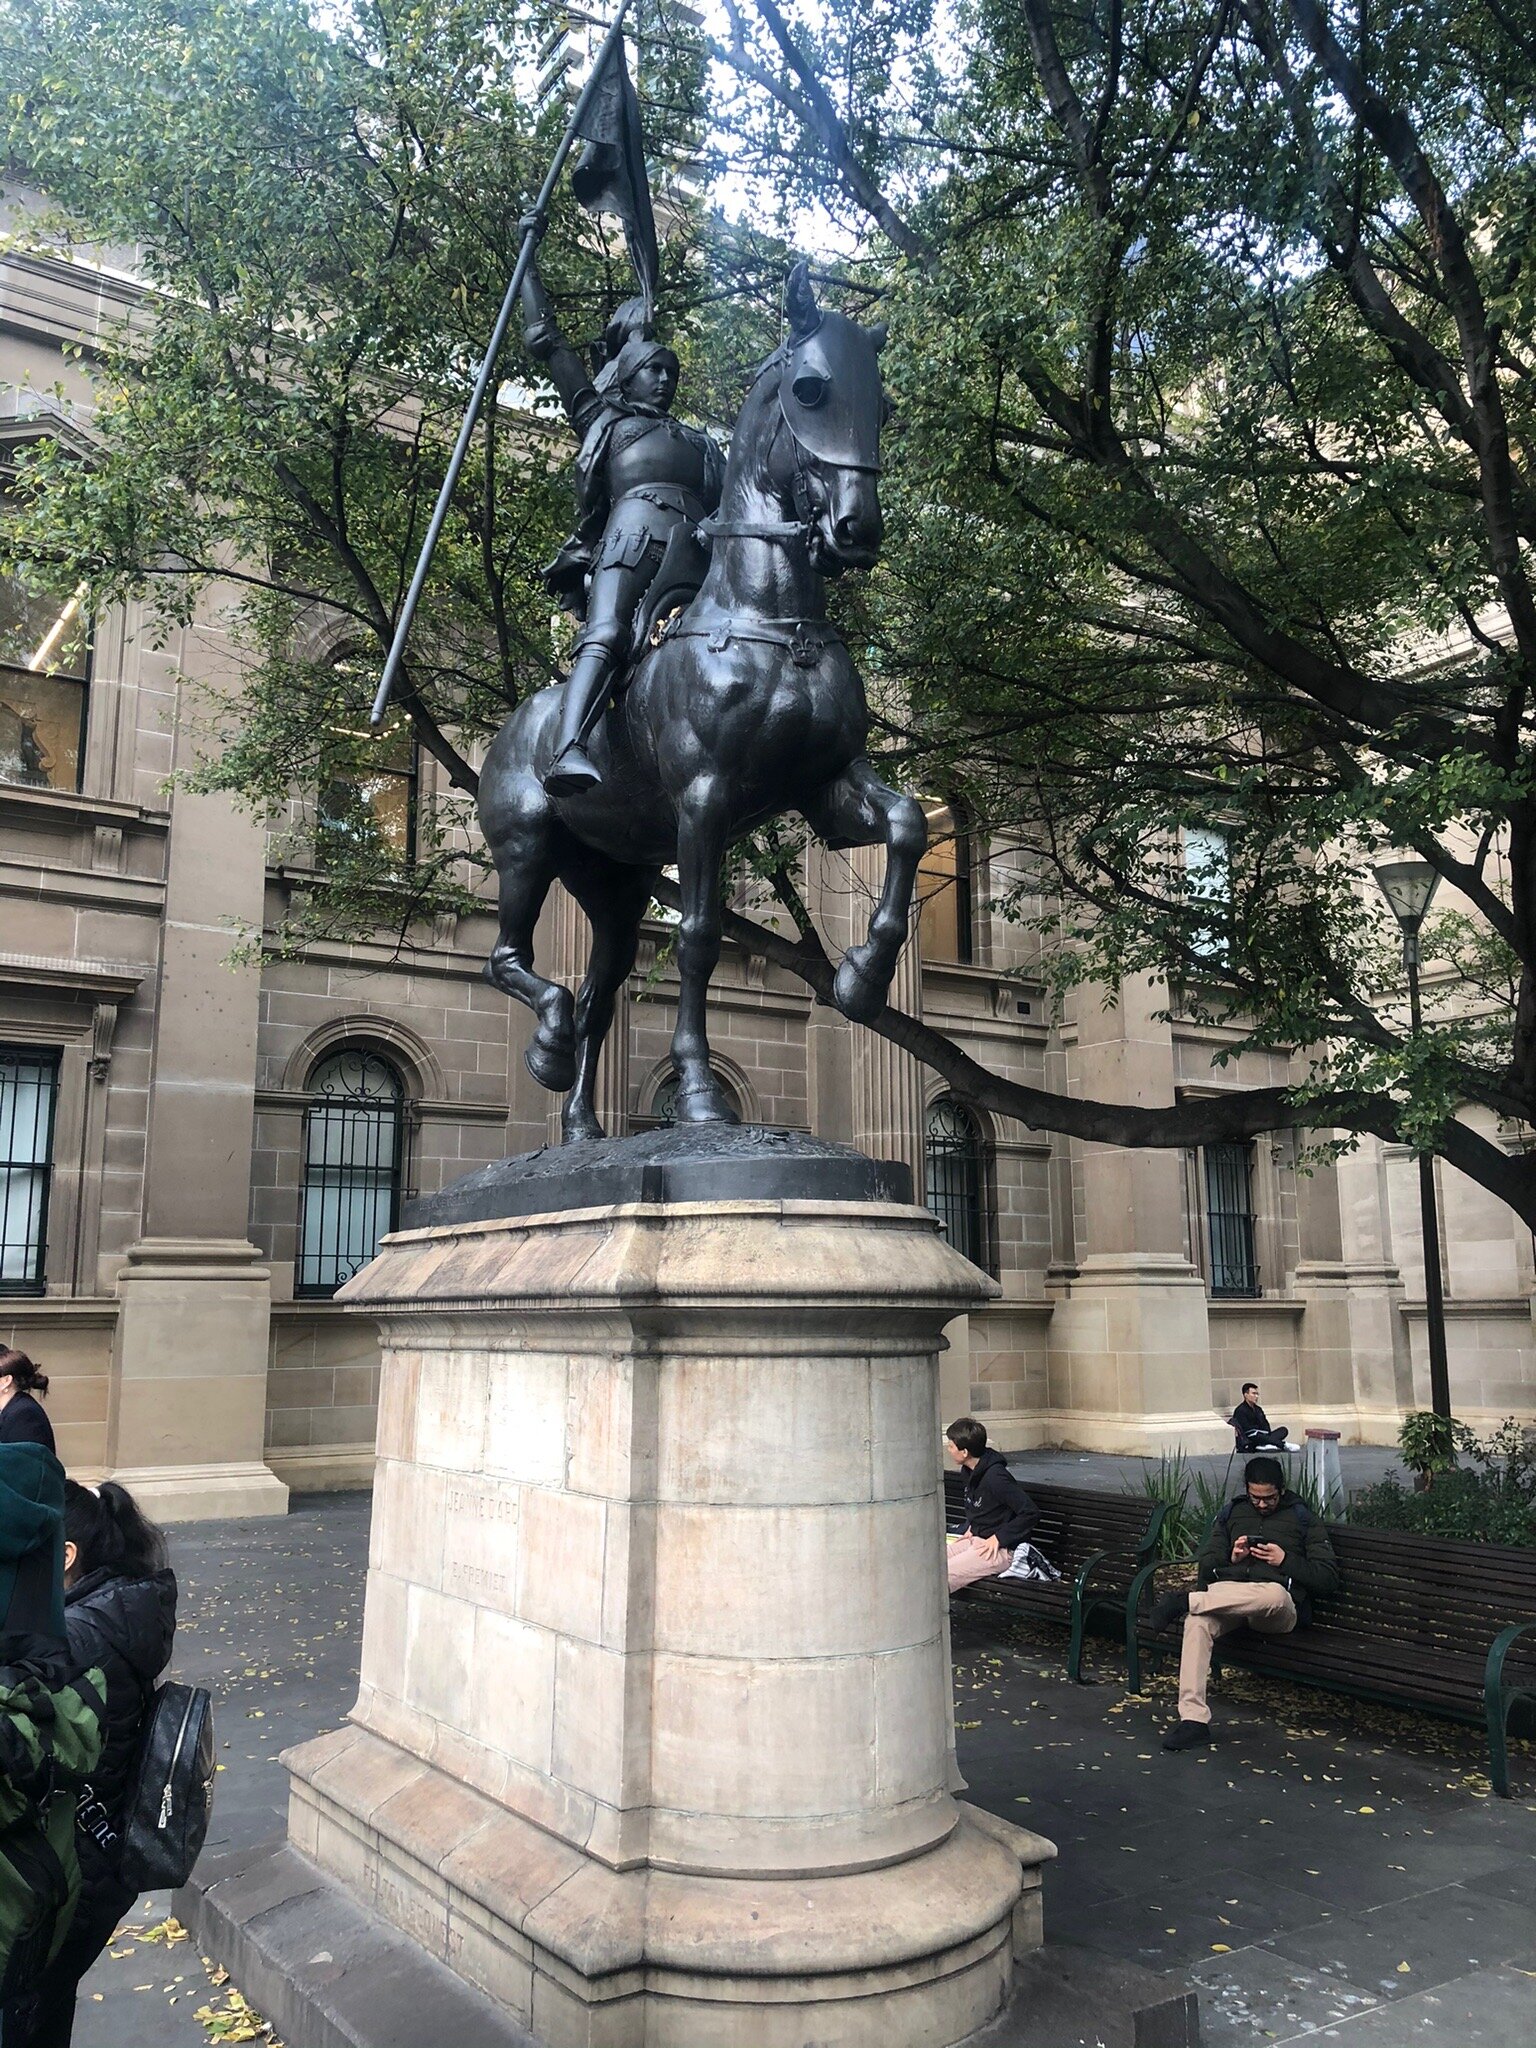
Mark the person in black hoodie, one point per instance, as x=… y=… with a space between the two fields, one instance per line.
x=120 y=1616
x=999 y=1514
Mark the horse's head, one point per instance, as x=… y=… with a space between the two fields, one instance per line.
x=833 y=407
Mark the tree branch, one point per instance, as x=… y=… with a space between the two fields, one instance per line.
x=1234 y=1114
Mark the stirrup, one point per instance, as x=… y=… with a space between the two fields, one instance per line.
x=571 y=773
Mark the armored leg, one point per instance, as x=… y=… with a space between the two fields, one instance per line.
x=585 y=698
x=616 y=590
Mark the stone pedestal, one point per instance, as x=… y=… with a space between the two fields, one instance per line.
x=189 y=1380
x=652 y=1744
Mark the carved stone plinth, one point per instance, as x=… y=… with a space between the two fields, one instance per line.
x=653 y=1741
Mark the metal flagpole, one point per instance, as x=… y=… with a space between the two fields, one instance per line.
x=488 y=369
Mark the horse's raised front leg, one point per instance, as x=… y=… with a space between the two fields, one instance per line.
x=615 y=899
x=701 y=837
x=522 y=843
x=858 y=809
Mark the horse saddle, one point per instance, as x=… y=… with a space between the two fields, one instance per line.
x=679 y=575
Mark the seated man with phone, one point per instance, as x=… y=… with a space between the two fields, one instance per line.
x=1263 y=1557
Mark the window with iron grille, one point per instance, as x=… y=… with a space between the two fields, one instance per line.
x=957 y=1180
x=353 y=1132
x=29 y=1087
x=1234 y=1267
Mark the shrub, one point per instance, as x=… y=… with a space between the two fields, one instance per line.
x=1492 y=1501
x=1168 y=1482
x=1430 y=1443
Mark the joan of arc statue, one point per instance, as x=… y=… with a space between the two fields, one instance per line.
x=644 y=481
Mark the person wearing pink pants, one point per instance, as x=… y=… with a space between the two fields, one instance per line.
x=999 y=1513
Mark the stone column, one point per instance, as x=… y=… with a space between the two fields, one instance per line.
x=189 y=1368
x=652 y=1742
x=1129 y=1337
x=572 y=949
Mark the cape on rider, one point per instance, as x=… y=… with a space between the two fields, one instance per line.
x=644 y=482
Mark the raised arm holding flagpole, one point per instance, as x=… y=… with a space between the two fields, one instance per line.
x=601 y=113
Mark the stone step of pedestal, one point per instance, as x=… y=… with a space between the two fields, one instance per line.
x=326 y=1972
x=1069 y=1997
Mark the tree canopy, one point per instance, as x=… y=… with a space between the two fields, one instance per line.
x=1210 y=500
x=1212 y=504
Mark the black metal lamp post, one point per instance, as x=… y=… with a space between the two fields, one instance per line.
x=1409 y=887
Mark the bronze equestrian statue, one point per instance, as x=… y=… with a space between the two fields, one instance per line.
x=740 y=708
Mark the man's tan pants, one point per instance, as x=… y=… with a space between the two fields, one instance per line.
x=1216 y=1612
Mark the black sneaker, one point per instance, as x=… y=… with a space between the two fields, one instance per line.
x=1167 y=1609
x=1187 y=1735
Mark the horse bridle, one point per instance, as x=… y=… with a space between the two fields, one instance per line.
x=785 y=531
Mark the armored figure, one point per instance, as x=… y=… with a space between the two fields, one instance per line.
x=644 y=483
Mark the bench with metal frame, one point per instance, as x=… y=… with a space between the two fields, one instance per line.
x=1097 y=1541
x=1419 y=1621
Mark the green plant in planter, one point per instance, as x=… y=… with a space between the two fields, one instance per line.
x=1433 y=1443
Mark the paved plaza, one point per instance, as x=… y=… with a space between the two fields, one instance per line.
x=1325 y=1873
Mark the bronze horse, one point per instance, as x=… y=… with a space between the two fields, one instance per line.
x=748 y=706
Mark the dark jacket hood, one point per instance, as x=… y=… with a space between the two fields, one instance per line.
x=983 y=1465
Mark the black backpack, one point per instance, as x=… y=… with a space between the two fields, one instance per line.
x=165 y=1821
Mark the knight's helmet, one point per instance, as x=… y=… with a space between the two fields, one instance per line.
x=628 y=341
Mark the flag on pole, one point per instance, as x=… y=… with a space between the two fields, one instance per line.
x=611 y=176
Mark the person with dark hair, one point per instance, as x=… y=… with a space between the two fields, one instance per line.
x=22 y=1417
x=119 y=1612
x=1252 y=1425
x=999 y=1513
x=1263 y=1558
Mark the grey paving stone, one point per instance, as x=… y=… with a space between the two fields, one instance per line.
x=1254 y=1995
x=1494 y=2009
x=1395 y=1951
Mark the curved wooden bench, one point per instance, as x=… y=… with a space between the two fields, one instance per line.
x=1097 y=1541
x=1418 y=1621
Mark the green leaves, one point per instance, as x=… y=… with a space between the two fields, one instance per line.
x=1188 y=530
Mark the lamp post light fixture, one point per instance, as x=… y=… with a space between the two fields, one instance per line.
x=1409 y=887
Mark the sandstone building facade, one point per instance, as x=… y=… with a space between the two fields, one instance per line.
x=197 y=1145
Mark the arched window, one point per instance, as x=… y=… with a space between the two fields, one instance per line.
x=946 y=913
x=957 y=1180
x=353 y=1130
x=664 y=1097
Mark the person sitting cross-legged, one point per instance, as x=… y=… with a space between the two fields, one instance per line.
x=999 y=1514
x=1263 y=1557
x=1252 y=1425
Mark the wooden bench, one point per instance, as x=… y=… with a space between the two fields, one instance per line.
x=1097 y=1541
x=1419 y=1621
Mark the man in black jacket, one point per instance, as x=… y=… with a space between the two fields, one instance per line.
x=1252 y=1426
x=1265 y=1551
x=999 y=1514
